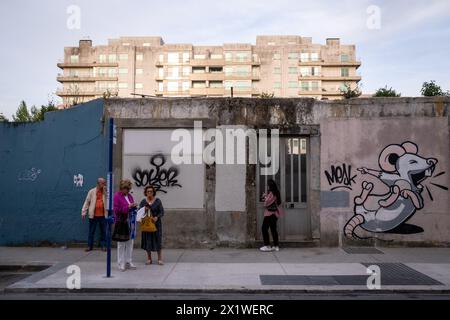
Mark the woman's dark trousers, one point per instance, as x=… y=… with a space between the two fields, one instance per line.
x=270 y=222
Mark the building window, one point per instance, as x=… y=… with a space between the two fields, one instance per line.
x=345 y=58
x=215 y=69
x=293 y=70
x=198 y=70
x=293 y=55
x=160 y=86
x=276 y=56
x=123 y=57
x=186 y=71
x=146 y=44
x=305 y=86
x=198 y=84
x=112 y=72
x=315 y=71
x=123 y=71
x=228 y=56
x=215 y=84
x=304 y=57
x=344 y=72
x=277 y=84
x=243 y=71
x=216 y=56
x=161 y=72
x=74 y=59
x=102 y=58
x=172 y=86
x=199 y=57
x=314 y=56
x=186 y=86
x=139 y=57
x=139 y=86
x=123 y=85
x=173 y=72
x=126 y=44
x=173 y=57
x=277 y=70
x=243 y=84
x=271 y=43
x=161 y=58
x=228 y=71
x=314 y=85
x=112 y=58
x=293 y=84
x=304 y=71
x=139 y=71
x=242 y=56
x=186 y=56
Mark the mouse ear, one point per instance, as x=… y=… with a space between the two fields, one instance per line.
x=410 y=147
x=389 y=156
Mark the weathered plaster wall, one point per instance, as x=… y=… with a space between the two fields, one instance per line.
x=351 y=132
x=39 y=200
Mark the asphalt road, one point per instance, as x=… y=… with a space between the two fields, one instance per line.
x=219 y=296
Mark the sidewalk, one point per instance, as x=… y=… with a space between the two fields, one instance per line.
x=243 y=270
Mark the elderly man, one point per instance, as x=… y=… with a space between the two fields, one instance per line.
x=95 y=206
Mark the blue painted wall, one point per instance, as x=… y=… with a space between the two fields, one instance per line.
x=39 y=201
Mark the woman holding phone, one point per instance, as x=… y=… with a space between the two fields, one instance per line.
x=151 y=241
x=123 y=207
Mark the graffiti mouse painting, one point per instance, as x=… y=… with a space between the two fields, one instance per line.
x=403 y=171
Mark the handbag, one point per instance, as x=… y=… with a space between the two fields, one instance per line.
x=273 y=207
x=121 y=231
x=148 y=225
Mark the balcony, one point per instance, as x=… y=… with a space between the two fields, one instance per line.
x=341 y=78
x=85 y=78
x=253 y=62
x=341 y=64
x=207 y=76
x=63 y=65
x=207 y=62
x=207 y=91
x=242 y=76
x=317 y=76
x=84 y=92
x=310 y=91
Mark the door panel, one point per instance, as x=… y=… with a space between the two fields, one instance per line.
x=292 y=180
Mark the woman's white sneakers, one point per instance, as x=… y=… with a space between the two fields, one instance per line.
x=269 y=248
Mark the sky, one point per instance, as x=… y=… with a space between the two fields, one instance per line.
x=400 y=43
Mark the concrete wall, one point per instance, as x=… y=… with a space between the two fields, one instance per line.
x=344 y=136
x=39 y=200
x=352 y=132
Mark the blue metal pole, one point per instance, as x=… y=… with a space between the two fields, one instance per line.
x=110 y=219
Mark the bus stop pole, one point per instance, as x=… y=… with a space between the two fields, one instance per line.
x=110 y=219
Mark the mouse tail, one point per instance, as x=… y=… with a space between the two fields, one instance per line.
x=352 y=224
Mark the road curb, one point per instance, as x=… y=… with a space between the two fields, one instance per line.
x=9 y=290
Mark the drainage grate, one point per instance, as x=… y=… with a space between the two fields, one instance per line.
x=362 y=250
x=392 y=274
x=401 y=274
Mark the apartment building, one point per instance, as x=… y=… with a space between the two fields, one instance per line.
x=286 y=66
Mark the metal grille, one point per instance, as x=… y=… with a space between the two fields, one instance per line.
x=391 y=274
x=362 y=250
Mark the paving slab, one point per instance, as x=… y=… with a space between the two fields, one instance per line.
x=228 y=270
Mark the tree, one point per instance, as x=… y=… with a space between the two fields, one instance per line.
x=38 y=114
x=431 y=89
x=35 y=114
x=349 y=93
x=385 y=92
x=3 y=118
x=22 y=114
x=267 y=95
